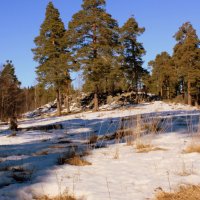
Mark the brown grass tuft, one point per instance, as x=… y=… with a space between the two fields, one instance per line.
x=188 y=192
x=145 y=148
x=60 y=197
x=93 y=139
x=57 y=147
x=21 y=174
x=41 y=153
x=192 y=148
x=72 y=158
x=77 y=161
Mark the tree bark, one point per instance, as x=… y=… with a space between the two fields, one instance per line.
x=161 y=92
x=96 y=101
x=168 y=92
x=189 y=93
x=58 y=102
x=67 y=103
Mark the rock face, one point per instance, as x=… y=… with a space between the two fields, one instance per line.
x=84 y=101
x=43 y=128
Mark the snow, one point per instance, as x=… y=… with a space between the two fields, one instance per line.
x=131 y=176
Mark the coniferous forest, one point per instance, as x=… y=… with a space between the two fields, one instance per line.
x=110 y=59
x=102 y=106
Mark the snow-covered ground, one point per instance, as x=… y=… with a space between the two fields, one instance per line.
x=131 y=176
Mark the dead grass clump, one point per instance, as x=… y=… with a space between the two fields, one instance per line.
x=93 y=139
x=192 y=148
x=5 y=167
x=187 y=192
x=13 y=134
x=152 y=126
x=21 y=174
x=140 y=145
x=41 y=153
x=60 y=197
x=129 y=141
x=77 y=161
x=116 y=154
x=72 y=159
x=186 y=171
x=145 y=148
x=57 y=147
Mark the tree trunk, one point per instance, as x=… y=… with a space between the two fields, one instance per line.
x=168 y=92
x=58 y=102
x=96 y=101
x=67 y=103
x=2 y=106
x=189 y=93
x=35 y=97
x=106 y=86
x=161 y=92
x=67 y=100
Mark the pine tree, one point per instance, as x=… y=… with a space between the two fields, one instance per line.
x=163 y=79
x=9 y=92
x=186 y=56
x=52 y=52
x=132 y=52
x=94 y=40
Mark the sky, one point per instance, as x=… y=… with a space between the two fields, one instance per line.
x=20 y=22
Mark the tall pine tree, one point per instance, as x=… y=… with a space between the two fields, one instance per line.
x=186 y=56
x=164 y=76
x=9 y=92
x=94 y=40
x=52 y=53
x=132 y=52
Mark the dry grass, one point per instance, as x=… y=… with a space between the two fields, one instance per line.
x=20 y=174
x=57 y=147
x=60 y=197
x=5 y=168
x=192 y=148
x=145 y=148
x=42 y=153
x=152 y=126
x=72 y=158
x=77 y=161
x=129 y=141
x=116 y=154
x=188 y=192
x=93 y=139
x=186 y=171
x=13 y=134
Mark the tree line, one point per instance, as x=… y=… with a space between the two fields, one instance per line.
x=110 y=58
x=178 y=75
x=15 y=100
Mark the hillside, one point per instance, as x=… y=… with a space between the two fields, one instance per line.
x=145 y=156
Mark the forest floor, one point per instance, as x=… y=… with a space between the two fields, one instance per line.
x=84 y=157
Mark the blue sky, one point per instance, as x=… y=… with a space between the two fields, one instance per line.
x=20 y=21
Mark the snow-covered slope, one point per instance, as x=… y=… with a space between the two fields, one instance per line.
x=129 y=175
